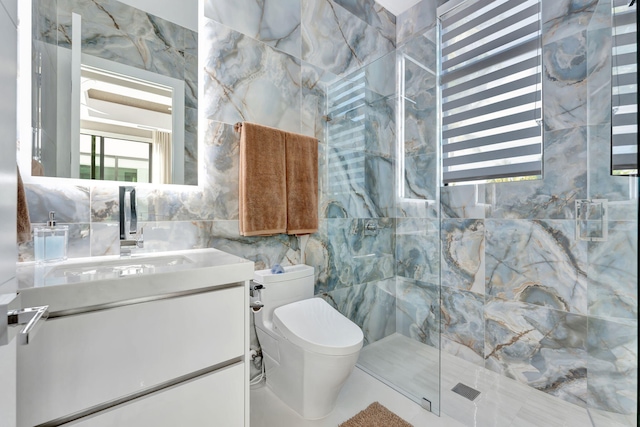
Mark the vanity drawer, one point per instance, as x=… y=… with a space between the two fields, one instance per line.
x=215 y=399
x=82 y=361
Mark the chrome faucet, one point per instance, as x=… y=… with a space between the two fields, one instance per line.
x=129 y=236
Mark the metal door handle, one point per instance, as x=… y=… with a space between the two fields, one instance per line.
x=31 y=318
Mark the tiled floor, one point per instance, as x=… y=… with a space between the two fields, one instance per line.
x=502 y=402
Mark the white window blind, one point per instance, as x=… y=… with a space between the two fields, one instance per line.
x=490 y=82
x=624 y=89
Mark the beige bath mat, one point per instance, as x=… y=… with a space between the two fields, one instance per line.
x=375 y=415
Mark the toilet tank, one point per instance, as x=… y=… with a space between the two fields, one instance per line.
x=295 y=284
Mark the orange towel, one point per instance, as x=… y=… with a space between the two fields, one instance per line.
x=263 y=187
x=302 y=184
x=23 y=222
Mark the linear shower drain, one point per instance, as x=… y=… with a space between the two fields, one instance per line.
x=465 y=391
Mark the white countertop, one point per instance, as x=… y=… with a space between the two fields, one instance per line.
x=95 y=281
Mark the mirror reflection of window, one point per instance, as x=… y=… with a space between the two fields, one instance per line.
x=125 y=128
x=115 y=159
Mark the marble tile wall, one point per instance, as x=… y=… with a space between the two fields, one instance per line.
x=520 y=294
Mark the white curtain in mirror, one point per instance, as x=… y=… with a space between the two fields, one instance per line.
x=161 y=163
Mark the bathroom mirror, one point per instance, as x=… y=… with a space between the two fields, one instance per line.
x=109 y=90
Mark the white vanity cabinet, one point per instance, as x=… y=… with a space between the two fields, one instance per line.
x=143 y=358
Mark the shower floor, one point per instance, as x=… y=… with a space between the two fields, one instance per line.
x=417 y=377
x=415 y=370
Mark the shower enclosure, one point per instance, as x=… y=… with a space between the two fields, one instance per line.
x=534 y=280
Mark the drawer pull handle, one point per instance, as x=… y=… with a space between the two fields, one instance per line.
x=30 y=317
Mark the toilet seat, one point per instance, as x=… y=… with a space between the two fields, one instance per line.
x=316 y=326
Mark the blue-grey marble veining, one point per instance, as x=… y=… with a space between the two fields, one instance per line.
x=613 y=273
x=562 y=18
x=418 y=249
x=371 y=306
x=421 y=177
x=599 y=82
x=415 y=20
x=538 y=262
x=535 y=345
x=380 y=127
x=221 y=162
x=379 y=75
x=317 y=253
x=613 y=366
x=246 y=80
x=463 y=254
x=358 y=255
x=418 y=310
x=465 y=201
x=315 y=83
x=70 y=202
x=274 y=22
x=564 y=181
x=565 y=75
x=463 y=324
x=373 y=14
x=338 y=41
x=263 y=251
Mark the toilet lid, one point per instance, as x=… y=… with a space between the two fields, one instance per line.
x=316 y=326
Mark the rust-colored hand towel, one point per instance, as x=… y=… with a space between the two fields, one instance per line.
x=23 y=222
x=302 y=184
x=263 y=189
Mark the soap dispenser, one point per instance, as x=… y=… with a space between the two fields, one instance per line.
x=50 y=242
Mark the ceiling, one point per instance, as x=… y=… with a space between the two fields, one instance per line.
x=397 y=6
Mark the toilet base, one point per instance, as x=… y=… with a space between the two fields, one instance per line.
x=307 y=382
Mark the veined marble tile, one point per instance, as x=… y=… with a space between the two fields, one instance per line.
x=613 y=273
x=463 y=201
x=248 y=80
x=380 y=75
x=105 y=238
x=379 y=185
x=416 y=20
x=538 y=262
x=538 y=346
x=416 y=208
x=191 y=167
x=315 y=83
x=421 y=177
x=564 y=90
x=373 y=14
x=274 y=22
x=263 y=251
x=599 y=82
x=370 y=306
x=463 y=324
x=338 y=41
x=563 y=18
x=418 y=249
x=359 y=256
x=69 y=202
x=420 y=125
x=463 y=248
x=317 y=253
x=418 y=310
x=613 y=366
x=380 y=127
x=221 y=163
x=564 y=181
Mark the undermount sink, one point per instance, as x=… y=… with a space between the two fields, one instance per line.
x=135 y=264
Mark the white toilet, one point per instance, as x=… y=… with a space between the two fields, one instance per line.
x=309 y=348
